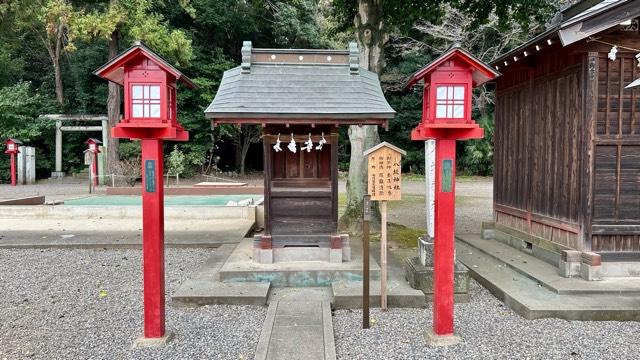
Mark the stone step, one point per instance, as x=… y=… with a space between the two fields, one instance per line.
x=546 y=274
x=240 y=267
x=348 y=295
x=533 y=301
x=209 y=292
x=297 y=330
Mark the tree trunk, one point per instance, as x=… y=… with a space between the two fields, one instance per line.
x=371 y=37
x=238 y=150
x=113 y=106
x=58 y=78
x=243 y=156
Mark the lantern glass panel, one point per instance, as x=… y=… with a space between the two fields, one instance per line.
x=450 y=102
x=145 y=101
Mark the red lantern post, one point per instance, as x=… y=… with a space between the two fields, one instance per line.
x=12 y=149
x=446 y=117
x=94 y=149
x=150 y=115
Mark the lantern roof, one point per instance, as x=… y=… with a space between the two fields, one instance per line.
x=384 y=144
x=15 y=141
x=277 y=86
x=94 y=140
x=114 y=69
x=481 y=72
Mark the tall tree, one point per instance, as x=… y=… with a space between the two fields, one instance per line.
x=373 y=21
x=133 y=20
x=48 y=20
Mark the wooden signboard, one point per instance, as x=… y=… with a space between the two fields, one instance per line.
x=384 y=172
x=384 y=183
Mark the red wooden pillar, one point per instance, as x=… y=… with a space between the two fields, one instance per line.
x=153 y=238
x=94 y=168
x=443 y=249
x=13 y=169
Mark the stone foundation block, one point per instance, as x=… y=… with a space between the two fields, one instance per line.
x=425 y=248
x=488 y=230
x=335 y=256
x=421 y=277
x=590 y=266
x=569 y=264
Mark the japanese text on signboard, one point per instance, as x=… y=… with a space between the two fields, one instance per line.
x=384 y=176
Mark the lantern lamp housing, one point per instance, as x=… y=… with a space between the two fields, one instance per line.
x=447 y=95
x=12 y=146
x=149 y=82
x=94 y=145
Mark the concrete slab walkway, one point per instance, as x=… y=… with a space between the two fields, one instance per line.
x=297 y=330
x=118 y=233
x=529 y=291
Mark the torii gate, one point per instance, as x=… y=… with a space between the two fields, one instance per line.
x=59 y=118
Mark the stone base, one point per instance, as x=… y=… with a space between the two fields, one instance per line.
x=261 y=255
x=488 y=230
x=57 y=174
x=421 y=277
x=441 y=340
x=144 y=342
x=590 y=272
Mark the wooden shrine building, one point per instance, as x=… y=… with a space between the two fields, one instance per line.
x=567 y=136
x=300 y=98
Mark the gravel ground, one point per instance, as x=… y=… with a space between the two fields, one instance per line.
x=87 y=304
x=489 y=330
x=474 y=203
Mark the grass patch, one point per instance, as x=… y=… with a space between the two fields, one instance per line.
x=402 y=236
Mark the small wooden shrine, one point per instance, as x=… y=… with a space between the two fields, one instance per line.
x=567 y=136
x=300 y=98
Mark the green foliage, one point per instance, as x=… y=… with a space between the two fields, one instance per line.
x=129 y=149
x=20 y=107
x=203 y=38
x=176 y=163
x=19 y=111
x=477 y=157
x=138 y=21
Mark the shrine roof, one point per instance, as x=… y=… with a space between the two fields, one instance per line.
x=273 y=85
x=574 y=23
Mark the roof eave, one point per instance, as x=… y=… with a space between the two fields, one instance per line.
x=478 y=64
x=116 y=62
x=284 y=116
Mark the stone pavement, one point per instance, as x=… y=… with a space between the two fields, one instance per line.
x=297 y=330
x=533 y=289
x=117 y=233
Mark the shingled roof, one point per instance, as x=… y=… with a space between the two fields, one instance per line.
x=575 y=23
x=283 y=85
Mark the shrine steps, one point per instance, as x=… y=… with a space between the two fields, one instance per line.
x=224 y=279
x=533 y=289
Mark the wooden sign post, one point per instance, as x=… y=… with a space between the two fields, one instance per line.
x=384 y=183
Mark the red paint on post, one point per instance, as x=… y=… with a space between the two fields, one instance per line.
x=150 y=115
x=443 y=248
x=13 y=169
x=446 y=117
x=12 y=146
x=153 y=238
